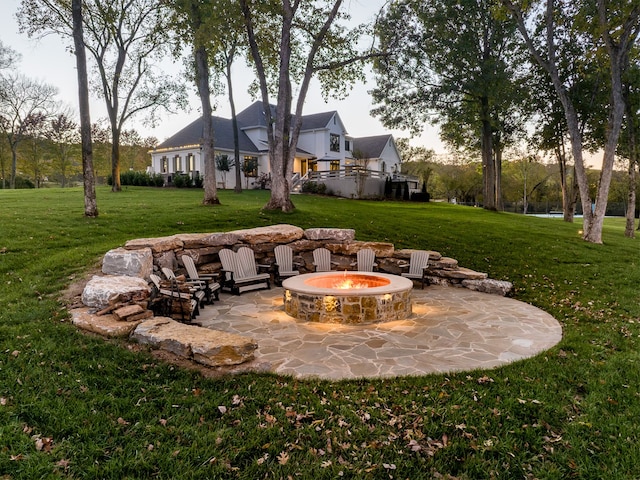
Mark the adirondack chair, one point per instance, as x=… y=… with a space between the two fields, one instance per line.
x=365 y=260
x=418 y=263
x=211 y=286
x=284 y=266
x=240 y=272
x=171 y=301
x=196 y=289
x=322 y=259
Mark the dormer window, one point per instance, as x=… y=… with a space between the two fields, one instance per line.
x=334 y=142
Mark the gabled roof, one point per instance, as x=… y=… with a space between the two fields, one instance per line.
x=370 y=147
x=317 y=120
x=222 y=136
x=253 y=116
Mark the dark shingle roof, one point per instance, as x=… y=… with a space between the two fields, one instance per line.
x=222 y=135
x=371 y=147
x=253 y=116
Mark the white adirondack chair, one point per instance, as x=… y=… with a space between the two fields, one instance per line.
x=418 y=263
x=241 y=272
x=211 y=286
x=322 y=259
x=366 y=260
x=284 y=264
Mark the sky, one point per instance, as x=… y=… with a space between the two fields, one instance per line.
x=49 y=61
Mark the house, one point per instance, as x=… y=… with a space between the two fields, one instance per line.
x=325 y=153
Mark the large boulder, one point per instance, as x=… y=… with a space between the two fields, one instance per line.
x=381 y=249
x=157 y=245
x=220 y=239
x=282 y=233
x=208 y=347
x=100 y=289
x=133 y=263
x=105 y=325
x=334 y=234
x=489 y=285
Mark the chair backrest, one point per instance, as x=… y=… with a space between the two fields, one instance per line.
x=228 y=260
x=366 y=258
x=168 y=273
x=284 y=257
x=322 y=259
x=246 y=263
x=418 y=261
x=156 y=280
x=190 y=265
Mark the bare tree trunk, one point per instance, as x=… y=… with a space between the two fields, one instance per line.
x=488 y=170
x=115 y=159
x=234 y=123
x=90 y=204
x=202 y=79
x=629 y=230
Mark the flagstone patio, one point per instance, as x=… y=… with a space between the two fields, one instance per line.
x=451 y=329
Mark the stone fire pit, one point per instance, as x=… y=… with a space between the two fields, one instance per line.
x=347 y=297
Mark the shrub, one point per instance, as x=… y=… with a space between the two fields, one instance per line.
x=198 y=181
x=182 y=180
x=21 y=182
x=314 y=187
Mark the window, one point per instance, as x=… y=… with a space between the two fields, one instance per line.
x=164 y=165
x=334 y=165
x=250 y=166
x=177 y=163
x=334 y=142
x=313 y=165
x=191 y=162
x=347 y=145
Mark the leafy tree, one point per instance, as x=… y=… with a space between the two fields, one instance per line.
x=33 y=152
x=194 y=21
x=310 y=41
x=223 y=166
x=63 y=134
x=22 y=102
x=456 y=64
x=416 y=161
x=124 y=37
x=611 y=29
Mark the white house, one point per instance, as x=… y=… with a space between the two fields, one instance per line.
x=324 y=150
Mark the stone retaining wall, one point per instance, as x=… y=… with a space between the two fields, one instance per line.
x=204 y=248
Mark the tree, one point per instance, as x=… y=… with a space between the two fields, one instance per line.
x=612 y=32
x=223 y=166
x=33 y=154
x=124 y=37
x=193 y=19
x=22 y=101
x=456 y=64
x=62 y=132
x=310 y=41
x=416 y=161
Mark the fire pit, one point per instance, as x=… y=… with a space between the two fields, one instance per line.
x=347 y=297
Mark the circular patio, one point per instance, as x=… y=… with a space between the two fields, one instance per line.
x=451 y=329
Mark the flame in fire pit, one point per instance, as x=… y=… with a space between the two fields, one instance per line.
x=348 y=281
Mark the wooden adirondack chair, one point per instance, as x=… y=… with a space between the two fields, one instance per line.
x=365 y=260
x=240 y=272
x=171 y=301
x=284 y=266
x=211 y=286
x=322 y=259
x=418 y=263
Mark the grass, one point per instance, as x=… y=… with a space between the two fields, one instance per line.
x=77 y=406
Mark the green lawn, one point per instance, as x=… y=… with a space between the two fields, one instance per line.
x=78 y=406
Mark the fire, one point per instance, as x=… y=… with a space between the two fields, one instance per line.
x=349 y=284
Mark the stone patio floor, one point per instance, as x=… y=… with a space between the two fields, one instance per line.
x=451 y=329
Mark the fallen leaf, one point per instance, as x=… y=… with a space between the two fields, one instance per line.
x=389 y=466
x=222 y=409
x=122 y=421
x=283 y=458
x=3 y=401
